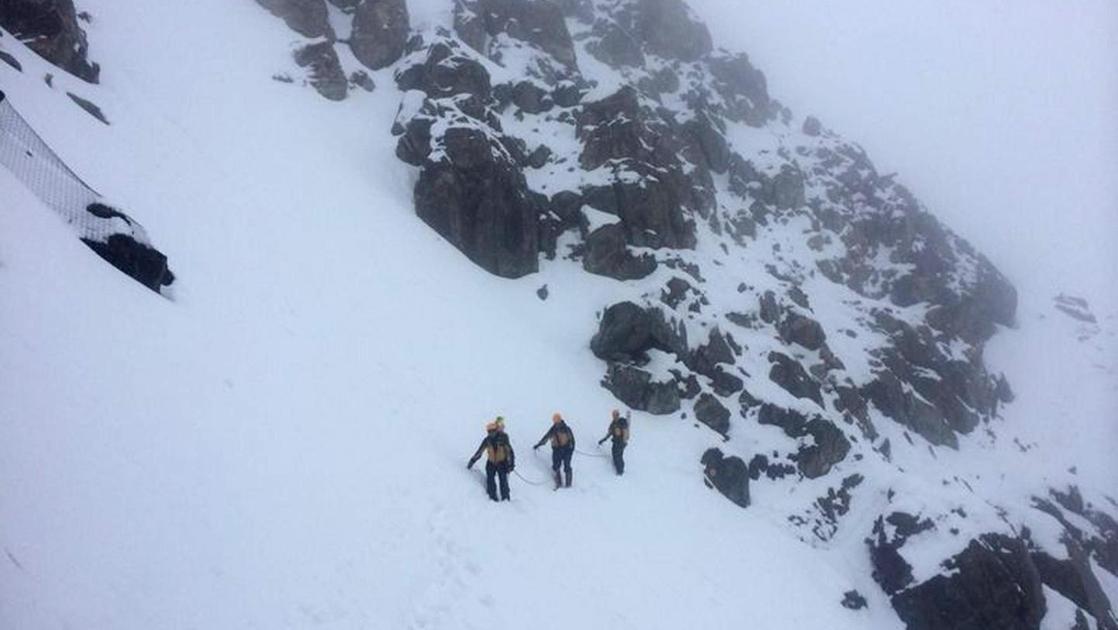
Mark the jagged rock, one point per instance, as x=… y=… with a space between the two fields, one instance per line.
x=380 y=32
x=627 y=332
x=50 y=28
x=666 y=28
x=538 y=22
x=991 y=584
x=729 y=475
x=635 y=387
x=853 y=600
x=477 y=199
x=11 y=61
x=326 y=74
x=706 y=144
x=723 y=383
x=716 y=350
x=531 y=98
x=346 y=6
x=675 y=291
x=607 y=255
x=306 y=17
x=567 y=94
x=445 y=71
x=90 y=107
x=830 y=447
x=361 y=79
x=789 y=374
x=812 y=126
x=712 y=413
x=1076 y=308
x=142 y=262
x=539 y=156
x=469 y=25
x=972 y=317
x=803 y=330
x=890 y=570
x=889 y=396
x=770 y=309
x=650 y=190
x=742 y=86
x=615 y=46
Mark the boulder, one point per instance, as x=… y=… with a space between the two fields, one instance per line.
x=729 y=475
x=607 y=255
x=325 y=71
x=675 y=291
x=477 y=199
x=469 y=25
x=635 y=387
x=445 y=71
x=627 y=332
x=801 y=329
x=380 y=32
x=789 y=374
x=812 y=126
x=711 y=412
x=50 y=28
x=829 y=448
x=306 y=17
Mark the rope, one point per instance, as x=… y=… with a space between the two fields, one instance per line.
x=526 y=480
x=581 y=452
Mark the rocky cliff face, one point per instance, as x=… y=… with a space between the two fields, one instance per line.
x=772 y=284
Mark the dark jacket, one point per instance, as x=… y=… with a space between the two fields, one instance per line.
x=497 y=448
x=618 y=430
x=554 y=434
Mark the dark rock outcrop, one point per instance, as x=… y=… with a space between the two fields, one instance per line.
x=444 y=70
x=711 y=412
x=326 y=74
x=306 y=17
x=801 y=329
x=729 y=475
x=635 y=387
x=789 y=374
x=990 y=584
x=477 y=199
x=829 y=448
x=627 y=332
x=538 y=22
x=607 y=255
x=380 y=32
x=666 y=28
x=50 y=28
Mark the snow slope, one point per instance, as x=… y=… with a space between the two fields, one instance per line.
x=282 y=443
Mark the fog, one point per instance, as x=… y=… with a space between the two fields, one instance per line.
x=1000 y=115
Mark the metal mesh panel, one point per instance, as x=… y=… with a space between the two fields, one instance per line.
x=25 y=154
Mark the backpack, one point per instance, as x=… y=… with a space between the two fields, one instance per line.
x=497 y=451
x=621 y=430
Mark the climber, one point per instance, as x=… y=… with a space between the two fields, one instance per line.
x=619 y=431
x=562 y=447
x=501 y=460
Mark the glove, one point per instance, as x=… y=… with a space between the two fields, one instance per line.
x=536 y=447
x=470 y=464
x=600 y=441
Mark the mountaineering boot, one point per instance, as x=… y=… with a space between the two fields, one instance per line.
x=569 y=474
x=558 y=480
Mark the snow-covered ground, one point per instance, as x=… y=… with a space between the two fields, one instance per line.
x=282 y=443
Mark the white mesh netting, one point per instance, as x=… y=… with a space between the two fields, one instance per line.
x=25 y=154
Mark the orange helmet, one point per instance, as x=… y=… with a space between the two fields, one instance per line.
x=557 y=417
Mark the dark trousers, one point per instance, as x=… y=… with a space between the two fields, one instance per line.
x=493 y=474
x=619 y=456
x=562 y=457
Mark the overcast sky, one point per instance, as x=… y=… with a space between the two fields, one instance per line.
x=1001 y=115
